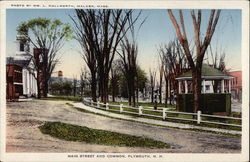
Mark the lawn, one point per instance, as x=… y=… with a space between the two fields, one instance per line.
x=70 y=132
x=148 y=114
x=144 y=104
x=146 y=110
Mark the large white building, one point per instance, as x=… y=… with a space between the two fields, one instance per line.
x=24 y=59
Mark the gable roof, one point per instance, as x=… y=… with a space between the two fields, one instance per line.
x=19 y=62
x=207 y=72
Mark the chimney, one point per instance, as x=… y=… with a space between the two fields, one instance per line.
x=60 y=73
x=36 y=52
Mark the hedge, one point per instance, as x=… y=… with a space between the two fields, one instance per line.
x=210 y=103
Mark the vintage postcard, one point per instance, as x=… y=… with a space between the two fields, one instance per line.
x=124 y=81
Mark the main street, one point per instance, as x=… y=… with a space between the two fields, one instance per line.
x=23 y=134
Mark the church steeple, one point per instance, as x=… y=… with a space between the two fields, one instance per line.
x=22 y=43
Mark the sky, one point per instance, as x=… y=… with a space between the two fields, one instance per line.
x=157 y=30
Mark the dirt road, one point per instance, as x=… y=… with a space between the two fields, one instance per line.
x=23 y=135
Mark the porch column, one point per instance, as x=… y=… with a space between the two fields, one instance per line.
x=204 y=86
x=222 y=86
x=229 y=85
x=179 y=84
x=186 y=87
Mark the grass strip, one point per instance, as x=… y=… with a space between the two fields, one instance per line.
x=145 y=104
x=210 y=125
x=70 y=132
x=63 y=98
x=190 y=129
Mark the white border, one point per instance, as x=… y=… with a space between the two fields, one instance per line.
x=244 y=5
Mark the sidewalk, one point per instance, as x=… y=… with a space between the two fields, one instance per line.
x=151 y=121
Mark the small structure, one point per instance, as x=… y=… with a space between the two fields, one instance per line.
x=215 y=97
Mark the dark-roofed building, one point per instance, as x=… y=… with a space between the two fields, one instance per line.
x=209 y=75
x=20 y=74
x=215 y=97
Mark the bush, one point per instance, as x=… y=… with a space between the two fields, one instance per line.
x=210 y=103
x=61 y=88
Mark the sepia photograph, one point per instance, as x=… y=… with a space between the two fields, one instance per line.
x=97 y=82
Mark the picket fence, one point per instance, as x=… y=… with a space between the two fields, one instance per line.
x=162 y=113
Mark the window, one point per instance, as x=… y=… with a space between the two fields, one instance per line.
x=207 y=87
x=19 y=89
x=21 y=47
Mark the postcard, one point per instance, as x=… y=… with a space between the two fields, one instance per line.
x=124 y=81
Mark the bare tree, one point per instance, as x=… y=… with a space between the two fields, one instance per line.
x=152 y=78
x=114 y=78
x=74 y=85
x=161 y=72
x=217 y=60
x=99 y=33
x=129 y=57
x=83 y=80
x=201 y=45
x=174 y=64
x=85 y=28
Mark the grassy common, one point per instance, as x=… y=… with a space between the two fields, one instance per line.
x=193 y=129
x=145 y=104
x=70 y=132
x=147 y=111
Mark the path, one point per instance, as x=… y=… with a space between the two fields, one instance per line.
x=23 y=135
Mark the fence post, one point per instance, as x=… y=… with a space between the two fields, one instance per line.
x=164 y=113
x=98 y=104
x=140 y=110
x=121 y=108
x=198 y=117
x=107 y=106
x=91 y=102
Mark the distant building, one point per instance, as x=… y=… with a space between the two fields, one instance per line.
x=236 y=82
x=59 y=84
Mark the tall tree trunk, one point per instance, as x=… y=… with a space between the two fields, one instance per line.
x=166 y=93
x=45 y=88
x=113 y=93
x=105 y=89
x=197 y=88
x=137 y=89
x=93 y=86
x=160 y=96
x=133 y=90
x=38 y=87
x=152 y=95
